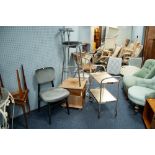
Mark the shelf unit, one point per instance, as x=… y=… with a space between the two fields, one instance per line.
x=101 y=94
x=77 y=93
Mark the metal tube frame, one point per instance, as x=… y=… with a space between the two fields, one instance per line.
x=102 y=85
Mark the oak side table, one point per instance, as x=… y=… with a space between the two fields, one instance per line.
x=77 y=93
x=149 y=113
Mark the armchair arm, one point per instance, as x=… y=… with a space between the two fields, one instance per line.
x=151 y=95
x=149 y=83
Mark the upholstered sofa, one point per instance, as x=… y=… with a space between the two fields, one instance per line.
x=146 y=72
x=143 y=89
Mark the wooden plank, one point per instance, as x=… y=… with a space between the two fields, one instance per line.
x=106 y=96
x=24 y=79
x=148 y=113
x=77 y=94
x=151 y=102
x=75 y=102
x=19 y=85
x=73 y=83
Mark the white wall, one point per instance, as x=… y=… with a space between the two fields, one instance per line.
x=84 y=34
x=124 y=33
x=34 y=47
x=138 y=31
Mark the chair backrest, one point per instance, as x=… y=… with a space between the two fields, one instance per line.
x=114 y=65
x=116 y=51
x=135 y=62
x=148 y=69
x=45 y=75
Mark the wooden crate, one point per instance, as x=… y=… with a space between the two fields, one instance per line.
x=77 y=94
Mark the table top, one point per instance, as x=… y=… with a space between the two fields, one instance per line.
x=99 y=76
x=73 y=83
x=151 y=102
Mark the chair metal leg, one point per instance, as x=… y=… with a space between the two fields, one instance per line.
x=49 y=112
x=38 y=104
x=25 y=115
x=38 y=97
x=67 y=106
x=116 y=108
x=99 y=110
x=28 y=104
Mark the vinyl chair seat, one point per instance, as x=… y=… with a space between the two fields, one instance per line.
x=138 y=94
x=54 y=94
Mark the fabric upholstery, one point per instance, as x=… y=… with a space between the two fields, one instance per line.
x=45 y=75
x=149 y=83
x=146 y=72
x=54 y=94
x=142 y=89
x=114 y=65
x=135 y=62
x=128 y=70
x=138 y=94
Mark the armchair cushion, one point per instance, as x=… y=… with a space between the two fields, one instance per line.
x=146 y=72
x=54 y=94
x=142 y=89
x=129 y=81
x=138 y=94
x=149 y=83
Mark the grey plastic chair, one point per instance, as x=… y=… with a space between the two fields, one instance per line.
x=52 y=94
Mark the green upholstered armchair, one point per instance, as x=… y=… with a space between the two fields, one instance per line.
x=146 y=72
x=143 y=89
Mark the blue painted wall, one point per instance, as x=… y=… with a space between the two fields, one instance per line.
x=34 y=47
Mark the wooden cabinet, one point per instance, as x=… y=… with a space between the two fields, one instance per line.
x=77 y=93
x=149 y=113
x=149 y=43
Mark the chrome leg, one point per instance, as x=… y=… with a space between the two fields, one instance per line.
x=99 y=111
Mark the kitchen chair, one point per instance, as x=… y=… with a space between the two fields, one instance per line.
x=21 y=96
x=51 y=95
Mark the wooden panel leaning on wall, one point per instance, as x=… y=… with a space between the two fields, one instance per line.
x=149 y=43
